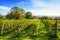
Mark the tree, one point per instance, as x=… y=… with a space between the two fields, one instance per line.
x=28 y=15
x=16 y=13
x=9 y=16
x=1 y=16
x=44 y=17
x=34 y=17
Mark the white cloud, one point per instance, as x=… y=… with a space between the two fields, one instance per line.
x=22 y=3
x=38 y=12
x=38 y=3
x=50 y=9
x=4 y=10
x=38 y=7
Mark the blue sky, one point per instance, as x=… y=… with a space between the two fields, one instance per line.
x=37 y=7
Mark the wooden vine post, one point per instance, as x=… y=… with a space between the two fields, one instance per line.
x=55 y=29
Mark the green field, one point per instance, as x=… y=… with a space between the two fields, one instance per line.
x=29 y=29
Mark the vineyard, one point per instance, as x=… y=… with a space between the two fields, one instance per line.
x=29 y=29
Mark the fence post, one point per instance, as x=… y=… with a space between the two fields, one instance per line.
x=55 y=29
x=54 y=36
x=2 y=30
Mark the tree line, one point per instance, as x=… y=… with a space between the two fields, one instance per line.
x=19 y=13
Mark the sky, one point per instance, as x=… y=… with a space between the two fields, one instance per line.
x=37 y=7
